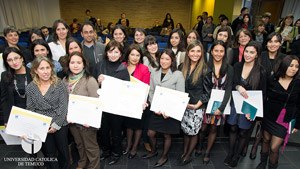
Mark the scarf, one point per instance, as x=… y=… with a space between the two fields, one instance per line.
x=73 y=80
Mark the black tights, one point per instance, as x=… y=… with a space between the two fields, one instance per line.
x=234 y=148
x=274 y=147
x=258 y=136
x=167 y=144
x=211 y=137
x=189 y=145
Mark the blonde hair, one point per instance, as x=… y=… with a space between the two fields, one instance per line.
x=36 y=63
x=201 y=67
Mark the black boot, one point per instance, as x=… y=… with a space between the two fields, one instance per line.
x=263 y=160
x=272 y=166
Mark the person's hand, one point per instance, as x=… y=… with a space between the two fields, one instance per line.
x=52 y=130
x=191 y=106
x=295 y=130
x=5 y=124
x=209 y=35
x=243 y=92
x=248 y=117
x=218 y=112
x=85 y=125
x=100 y=79
x=164 y=115
x=145 y=105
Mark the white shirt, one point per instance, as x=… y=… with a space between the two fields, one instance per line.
x=57 y=50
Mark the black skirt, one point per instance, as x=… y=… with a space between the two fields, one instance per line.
x=274 y=128
x=166 y=126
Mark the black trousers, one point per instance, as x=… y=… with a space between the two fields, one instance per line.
x=57 y=141
x=111 y=134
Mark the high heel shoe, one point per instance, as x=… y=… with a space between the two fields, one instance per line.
x=147 y=156
x=160 y=164
x=252 y=156
x=206 y=156
x=131 y=156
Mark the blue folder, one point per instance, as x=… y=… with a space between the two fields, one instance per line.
x=248 y=108
x=215 y=107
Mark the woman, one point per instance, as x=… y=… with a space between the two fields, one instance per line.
x=167 y=76
x=191 y=36
x=119 y=34
x=283 y=105
x=241 y=39
x=224 y=35
x=139 y=37
x=151 y=54
x=246 y=24
x=111 y=125
x=223 y=23
x=168 y=21
x=176 y=43
x=222 y=77
x=13 y=81
x=248 y=75
x=273 y=56
x=179 y=26
x=207 y=32
x=35 y=34
x=197 y=76
x=141 y=72
x=47 y=95
x=288 y=33
x=80 y=82
x=40 y=47
x=259 y=33
x=108 y=29
x=61 y=32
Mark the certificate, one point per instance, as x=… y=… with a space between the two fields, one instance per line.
x=22 y=122
x=133 y=79
x=173 y=103
x=253 y=104
x=215 y=101
x=84 y=110
x=123 y=98
x=9 y=139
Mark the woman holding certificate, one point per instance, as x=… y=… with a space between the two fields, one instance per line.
x=282 y=107
x=197 y=83
x=166 y=76
x=248 y=75
x=47 y=95
x=111 y=124
x=222 y=76
x=80 y=82
x=13 y=81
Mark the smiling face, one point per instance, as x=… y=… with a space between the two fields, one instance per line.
x=134 y=57
x=113 y=54
x=152 y=48
x=40 y=50
x=45 y=32
x=14 y=60
x=139 y=37
x=246 y=19
x=61 y=31
x=76 y=65
x=218 y=53
x=273 y=44
x=250 y=54
x=44 y=71
x=261 y=28
x=74 y=47
x=88 y=33
x=165 y=61
x=292 y=69
x=288 y=21
x=12 y=38
x=175 y=39
x=119 y=35
x=223 y=36
x=195 y=54
x=192 y=36
x=243 y=39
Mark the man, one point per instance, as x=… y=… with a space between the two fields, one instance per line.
x=11 y=36
x=268 y=26
x=123 y=16
x=201 y=23
x=127 y=28
x=93 y=51
x=45 y=31
x=156 y=27
x=239 y=20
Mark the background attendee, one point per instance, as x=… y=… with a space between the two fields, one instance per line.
x=201 y=23
x=224 y=35
x=246 y=24
x=151 y=53
x=123 y=17
x=35 y=34
x=108 y=29
x=75 y=26
x=179 y=26
x=239 y=19
x=191 y=36
x=168 y=20
x=176 y=43
x=259 y=33
x=269 y=26
x=139 y=36
x=156 y=27
x=45 y=31
x=242 y=38
x=223 y=23
x=207 y=32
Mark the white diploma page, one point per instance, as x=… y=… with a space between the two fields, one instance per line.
x=123 y=98
x=173 y=103
x=215 y=101
x=255 y=99
x=23 y=122
x=133 y=79
x=84 y=110
x=9 y=139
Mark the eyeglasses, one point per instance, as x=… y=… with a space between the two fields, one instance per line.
x=13 y=59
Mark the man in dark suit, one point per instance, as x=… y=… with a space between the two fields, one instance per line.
x=45 y=31
x=201 y=23
x=268 y=26
x=239 y=20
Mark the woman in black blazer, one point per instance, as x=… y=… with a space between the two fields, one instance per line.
x=241 y=39
x=13 y=81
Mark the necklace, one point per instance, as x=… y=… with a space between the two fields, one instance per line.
x=17 y=90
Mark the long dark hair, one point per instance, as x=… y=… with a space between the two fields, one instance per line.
x=283 y=23
x=10 y=72
x=54 y=27
x=43 y=43
x=148 y=41
x=85 y=63
x=187 y=35
x=114 y=44
x=254 y=77
x=37 y=32
x=131 y=48
x=228 y=43
x=69 y=41
x=181 y=45
x=224 y=66
x=119 y=26
x=284 y=64
x=139 y=30
x=279 y=56
x=170 y=53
